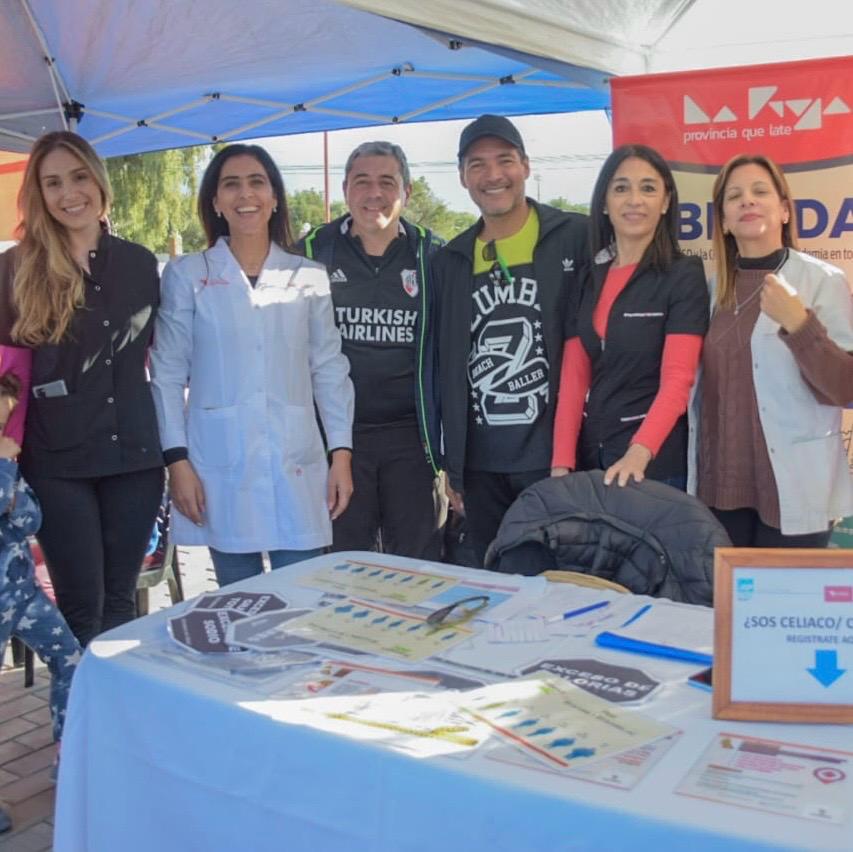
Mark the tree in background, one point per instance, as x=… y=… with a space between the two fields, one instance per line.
x=563 y=204
x=425 y=208
x=155 y=197
x=306 y=206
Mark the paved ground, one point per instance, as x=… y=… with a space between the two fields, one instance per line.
x=26 y=747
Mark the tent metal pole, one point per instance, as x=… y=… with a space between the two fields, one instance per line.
x=15 y=135
x=56 y=80
x=7 y=116
x=327 y=204
x=461 y=97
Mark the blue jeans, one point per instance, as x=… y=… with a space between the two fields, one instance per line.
x=233 y=567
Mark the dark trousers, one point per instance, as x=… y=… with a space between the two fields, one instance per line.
x=392 y=492
x=746 y=529
x=94 y=534
x=487 y=497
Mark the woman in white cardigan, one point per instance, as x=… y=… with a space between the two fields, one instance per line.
x=245 y=345
x=776 y=371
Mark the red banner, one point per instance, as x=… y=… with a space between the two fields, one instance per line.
x=11 y=173
x=794 y=112
x=798 y=113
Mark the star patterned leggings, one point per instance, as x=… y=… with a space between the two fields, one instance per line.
x=26 y=612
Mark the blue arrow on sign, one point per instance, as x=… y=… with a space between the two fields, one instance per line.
x=826 y=667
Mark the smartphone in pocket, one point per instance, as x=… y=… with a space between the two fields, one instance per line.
x=50 y=389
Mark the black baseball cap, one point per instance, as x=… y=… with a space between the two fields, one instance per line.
x=490 y=125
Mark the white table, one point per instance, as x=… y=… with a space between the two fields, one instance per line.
x=160 y=757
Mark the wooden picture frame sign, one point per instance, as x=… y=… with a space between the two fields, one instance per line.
x=783 y=635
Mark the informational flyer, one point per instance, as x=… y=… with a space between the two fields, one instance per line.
x=422 y=724
x=346 y=678
x=560 y=724
x=376 y=629
x=802 y=617
x=622 y=771
x=776 y=777
x=378 y=582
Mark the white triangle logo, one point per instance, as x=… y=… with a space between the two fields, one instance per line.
x=758 y=97
x=725 y=114
x=812 y=119
x=798 y=106
x=836 y=107
x=693 y=113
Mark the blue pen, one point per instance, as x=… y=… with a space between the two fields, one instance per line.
x=582 y=611
x=638 y=614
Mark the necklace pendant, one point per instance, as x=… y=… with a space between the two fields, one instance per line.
x=737 y=310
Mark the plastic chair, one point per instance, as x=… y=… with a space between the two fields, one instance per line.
x=168 y=569
x=588 y=581
x=160 y=563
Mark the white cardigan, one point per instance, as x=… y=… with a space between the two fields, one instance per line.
x=803 y=436
x=255 y=359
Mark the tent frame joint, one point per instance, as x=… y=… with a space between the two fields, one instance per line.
x=73 y=110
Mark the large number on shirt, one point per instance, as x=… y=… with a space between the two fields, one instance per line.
x=511 y=385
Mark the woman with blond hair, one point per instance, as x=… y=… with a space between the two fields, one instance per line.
x=776 y=371
x=82 y=303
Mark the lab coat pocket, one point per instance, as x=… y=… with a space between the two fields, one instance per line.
x=214 y=436
x=302 y=441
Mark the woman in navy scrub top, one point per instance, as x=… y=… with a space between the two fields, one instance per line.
x=634 y=341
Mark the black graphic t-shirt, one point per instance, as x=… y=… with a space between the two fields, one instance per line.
x=508 y=363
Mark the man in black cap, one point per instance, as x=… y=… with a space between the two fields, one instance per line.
x=504 y=288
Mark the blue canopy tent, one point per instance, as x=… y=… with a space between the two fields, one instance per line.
x=140 y=76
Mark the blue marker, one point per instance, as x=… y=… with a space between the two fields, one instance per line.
x=638 y=614
x=582 y=611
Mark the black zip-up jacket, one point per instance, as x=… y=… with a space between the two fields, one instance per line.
x=102 y=422
x=560 y=259
x=320 y=245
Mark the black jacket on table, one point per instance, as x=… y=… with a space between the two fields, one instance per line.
x=626 y=366
x=105 y=423
x=559 y=259
x=648 y=537
x=323 y=245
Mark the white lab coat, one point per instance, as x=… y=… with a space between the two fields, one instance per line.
x=255 y=361
x=803 y=436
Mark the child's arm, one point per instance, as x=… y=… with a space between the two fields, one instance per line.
x=17 y=360
x=8 y=481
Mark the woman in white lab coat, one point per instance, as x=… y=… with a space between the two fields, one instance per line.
x=245 y=345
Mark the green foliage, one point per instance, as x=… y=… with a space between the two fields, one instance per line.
x=563 y=204
x=307 y=206
x=425 y=208
x=155 y=197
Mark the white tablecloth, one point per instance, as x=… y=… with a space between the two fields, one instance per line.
x=162 y=757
